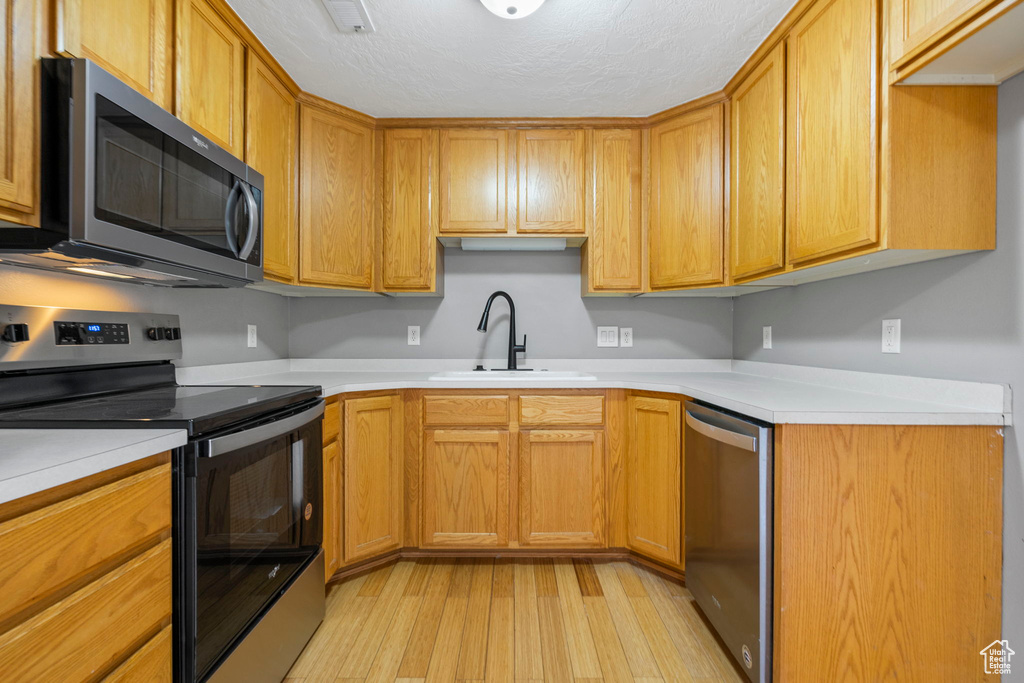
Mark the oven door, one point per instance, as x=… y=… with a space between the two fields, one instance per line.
x=252 y=522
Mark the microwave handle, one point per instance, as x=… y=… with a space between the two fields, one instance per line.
x=229 y=214
x=251 y=437
x=253 y=233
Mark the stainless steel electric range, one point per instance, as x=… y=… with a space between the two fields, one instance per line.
x=248 y=575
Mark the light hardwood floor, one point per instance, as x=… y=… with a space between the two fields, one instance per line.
x=503 y=620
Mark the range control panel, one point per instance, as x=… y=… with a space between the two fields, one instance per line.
x=90 y=333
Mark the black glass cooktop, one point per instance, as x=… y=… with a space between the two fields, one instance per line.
x=199 y=409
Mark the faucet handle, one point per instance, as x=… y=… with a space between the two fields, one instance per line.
x=521 y=348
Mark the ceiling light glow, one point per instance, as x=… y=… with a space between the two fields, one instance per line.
x=512 y=9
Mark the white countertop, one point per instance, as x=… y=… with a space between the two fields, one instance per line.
x=33 y=460
x=775 y=394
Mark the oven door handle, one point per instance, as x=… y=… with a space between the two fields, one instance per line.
x=251 y=437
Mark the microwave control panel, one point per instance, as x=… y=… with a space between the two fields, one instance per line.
x=78 y=333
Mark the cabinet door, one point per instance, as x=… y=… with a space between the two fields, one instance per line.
x=474 y=170
x=372 y=476
x=332 y=509
x=654 y=475
x=831 y=187
x=410 y=205
x=551 y=183
x=210 y=75
x=465 y=488
x=271 y=136
x=613 y=251
x=758 y=168
x=561 y=488
x=18 y=100
x=132 y=39
x=915 y=24
x=336 y=194
x=687 y=212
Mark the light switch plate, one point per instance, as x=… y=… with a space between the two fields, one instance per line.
x=414 y=335
x=252 y=340
x=626 y=337
x=891 y=335
x=766 y=337
x=607 y=336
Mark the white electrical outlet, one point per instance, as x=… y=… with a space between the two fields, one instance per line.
x=607 y=336
x=891 y=336
x=414 y=335
x=766 y=337
x=626 y=336
x=252 y=340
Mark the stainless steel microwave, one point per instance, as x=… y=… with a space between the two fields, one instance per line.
x=129 y=192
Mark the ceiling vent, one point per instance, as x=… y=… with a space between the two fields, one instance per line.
x=349 y=15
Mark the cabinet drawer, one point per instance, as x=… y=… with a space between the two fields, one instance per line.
x=50 y=549
x=465 y=410
x=95 y=629
x=561 y=410
x=332 y=420
x=151 y=662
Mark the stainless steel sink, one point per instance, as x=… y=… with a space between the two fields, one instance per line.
x=518 y=375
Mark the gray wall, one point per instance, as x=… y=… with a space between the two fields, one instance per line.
x=549 y=309
x=963 y=318
x=213 y=321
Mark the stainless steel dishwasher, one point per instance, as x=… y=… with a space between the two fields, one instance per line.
x=728 y=523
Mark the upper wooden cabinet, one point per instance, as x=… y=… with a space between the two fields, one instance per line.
x=613 y=252
x=758 y=169
x=687 y=201
x=551 y=165
x=465 y=488
x=474 y=181
x=18 y=130
x=336 y=200
x=374 y=511
x=654 y=465
x=831 y=190
x=210 y=83
x=410 y=246
x=271 y=136
x=561 y=488
x=915 y=23
x=133 y=39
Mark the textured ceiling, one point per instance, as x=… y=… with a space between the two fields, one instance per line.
x=570 y=58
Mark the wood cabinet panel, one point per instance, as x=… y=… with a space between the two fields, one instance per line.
x=758 y=169
x=18 y=121
x=561 y=410
x=332 y=509
x=56 y=548
x=474 y=181
x=271 y=140
x=210 y=75
x=465 y=482
x=332 y=419
x=915 y=24
x=613 y=252
x=97 y=627
x=831 y=184
x=152 y=662
x=471 y=410
x=373 y=463
x=561 y=488
x=654 y=468
x=887 y=551
x=410 y=210
x=336 y=195
x=687 y=202
x=133 y=39
x=552 y=169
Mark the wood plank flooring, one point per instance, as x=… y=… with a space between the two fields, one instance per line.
x=512 y=620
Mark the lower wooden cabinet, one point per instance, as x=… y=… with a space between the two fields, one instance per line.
x=332 y=509
x=561 y=488
x=654 y=466
x=372 y=489
x=465 y=497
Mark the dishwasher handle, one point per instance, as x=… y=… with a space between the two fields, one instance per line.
x=747 y=443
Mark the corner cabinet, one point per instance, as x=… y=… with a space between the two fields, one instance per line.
x=210 y=80
x=687 y=202
x=18 y=125
x=336 y=244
